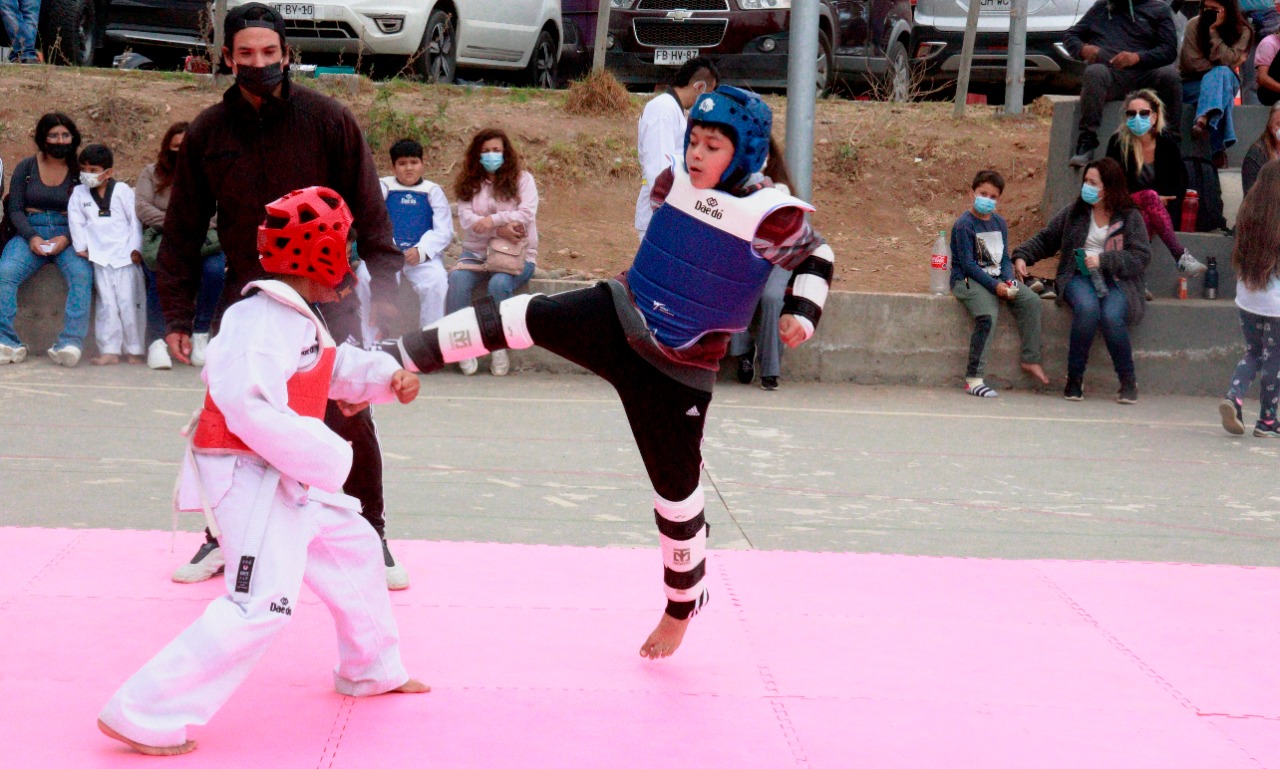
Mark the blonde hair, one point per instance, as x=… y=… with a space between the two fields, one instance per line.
x=1129 y=149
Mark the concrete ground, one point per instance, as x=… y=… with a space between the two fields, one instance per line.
x=538 y=458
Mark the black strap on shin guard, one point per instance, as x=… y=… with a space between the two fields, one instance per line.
x=680 y=532
x=490 y=321
x=422 y=348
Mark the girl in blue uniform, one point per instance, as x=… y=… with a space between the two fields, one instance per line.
x=658 y=331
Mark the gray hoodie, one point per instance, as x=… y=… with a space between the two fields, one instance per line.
x=1144 y=27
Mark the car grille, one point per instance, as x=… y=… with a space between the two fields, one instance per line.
x=683 y=5
x=320 y=30
x=656 y=33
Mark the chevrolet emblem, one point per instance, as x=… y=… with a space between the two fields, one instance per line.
x=680 y=15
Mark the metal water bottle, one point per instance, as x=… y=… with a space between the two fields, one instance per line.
x=1211 y=279
x=1190 y=209
x=940 y=266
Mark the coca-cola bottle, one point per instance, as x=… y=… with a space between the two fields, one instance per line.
x=940 y=266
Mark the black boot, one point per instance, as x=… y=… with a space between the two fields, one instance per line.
x=1128 y=390
x=1074 y=391
x=747 y=366
x=1085 y=145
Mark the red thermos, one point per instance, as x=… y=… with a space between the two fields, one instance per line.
x=1190 y=207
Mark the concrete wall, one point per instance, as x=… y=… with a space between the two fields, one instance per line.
x=1184 y=347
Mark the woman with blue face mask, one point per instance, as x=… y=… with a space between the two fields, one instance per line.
x=1153 y=170
x=497 y=198
x=1103 y=234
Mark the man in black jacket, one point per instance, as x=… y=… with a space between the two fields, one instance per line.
x=1127 y=44
x=265 y=138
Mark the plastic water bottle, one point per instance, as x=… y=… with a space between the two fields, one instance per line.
x=940 y=266
x=1190 y=208
x=1211 y=279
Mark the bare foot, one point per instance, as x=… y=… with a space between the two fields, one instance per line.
x=105 y=360
x=412 y=686
x=665 y=638
x=149 y=750
x=134 y=359
x=1036 y=371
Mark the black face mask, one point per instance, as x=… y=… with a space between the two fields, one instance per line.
x=57 y=151
x=260 y=81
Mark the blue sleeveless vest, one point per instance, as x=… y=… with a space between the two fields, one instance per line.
x=696 y=271
x=410 y=212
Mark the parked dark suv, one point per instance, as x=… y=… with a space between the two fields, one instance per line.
x=860 y=41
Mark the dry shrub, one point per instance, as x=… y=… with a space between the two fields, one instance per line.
x=118 y=120
x=1041 y=107
x=599 y=93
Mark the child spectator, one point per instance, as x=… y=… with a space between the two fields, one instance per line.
x=982 y=275
x=422 y=226
x=105 y=230
x=267 y=471
x=1256 y=258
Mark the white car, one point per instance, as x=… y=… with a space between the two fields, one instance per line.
x=430 y=38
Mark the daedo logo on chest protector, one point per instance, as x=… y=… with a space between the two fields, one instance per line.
x=709 y=208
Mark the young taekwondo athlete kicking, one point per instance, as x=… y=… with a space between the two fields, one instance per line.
x=269 y=473
x=657 y=332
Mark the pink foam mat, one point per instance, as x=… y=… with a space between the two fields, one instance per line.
x=801 y=659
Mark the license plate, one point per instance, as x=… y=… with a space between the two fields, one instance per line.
x=296 y=11
x=994 y=6
x=674 y=57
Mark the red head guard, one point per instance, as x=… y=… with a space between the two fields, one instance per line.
x=305 y=234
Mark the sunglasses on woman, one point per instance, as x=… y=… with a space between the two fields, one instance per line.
x=1137 y=113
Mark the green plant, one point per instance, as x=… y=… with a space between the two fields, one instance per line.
x=385 y=125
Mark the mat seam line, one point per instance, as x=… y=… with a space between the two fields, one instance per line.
x=339 y=729
x=54 y=561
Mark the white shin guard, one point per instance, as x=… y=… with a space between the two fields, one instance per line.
x=459 y=336
x=515 y=321
x=683 y=533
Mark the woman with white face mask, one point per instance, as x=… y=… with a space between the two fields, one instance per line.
x=1263 y=151
x=1153 y=168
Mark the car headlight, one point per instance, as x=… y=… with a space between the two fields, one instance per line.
x=764 y=5
x=621 y=3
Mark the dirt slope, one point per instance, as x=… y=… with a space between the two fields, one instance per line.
x=887 y=177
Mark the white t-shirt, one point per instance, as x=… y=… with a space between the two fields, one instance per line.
x=660 y=137
x=1265 y=302
x=1096 y=243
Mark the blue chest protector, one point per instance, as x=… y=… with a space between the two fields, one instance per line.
x=410 y=212
x=696 y=271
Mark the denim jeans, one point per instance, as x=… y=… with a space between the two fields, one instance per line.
x=1215 y=95
x=211 y=280
x=21 y=17
x=1088 y=313
x=17 y=264
x=501 y=285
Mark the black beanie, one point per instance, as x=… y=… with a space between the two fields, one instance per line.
x=262 y=16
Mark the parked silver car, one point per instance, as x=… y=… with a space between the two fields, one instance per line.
x=938 y=35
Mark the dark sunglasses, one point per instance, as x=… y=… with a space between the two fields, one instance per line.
x=1137 y=112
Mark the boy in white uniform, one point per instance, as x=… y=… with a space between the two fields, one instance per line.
x=106 y=231
x=269 y=473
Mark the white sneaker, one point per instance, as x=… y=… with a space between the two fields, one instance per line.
x=12 y=354
x=199 y=342
x=469 y=366
x=397 y=575
x=67 y=355
x=1190 y=265
x=158 y=356
x=499 y=363
x=207 y=564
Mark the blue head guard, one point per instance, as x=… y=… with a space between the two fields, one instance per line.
x=747 y=120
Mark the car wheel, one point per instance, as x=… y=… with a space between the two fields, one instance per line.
x=826 y=65
x=437 y=58
x=899 y=73
x=71 y=32
x=543 y=62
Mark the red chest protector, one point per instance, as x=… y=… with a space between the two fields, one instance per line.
x=308 y=390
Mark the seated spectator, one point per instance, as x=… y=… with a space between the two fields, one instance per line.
x=982 y=276
x=1263 y=151
x=769 y=310
x=1216 y=42
x=153 y=188
x=1266 y=24
x=1127 y=45
x=39 y=191
x=1153 y=170
x=1102 y=231
x=497 y=198
x=422 y=226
